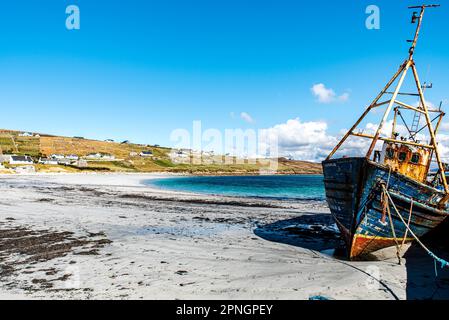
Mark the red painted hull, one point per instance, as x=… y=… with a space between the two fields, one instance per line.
x=363 y=244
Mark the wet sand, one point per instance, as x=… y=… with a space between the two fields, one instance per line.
x=108 y=236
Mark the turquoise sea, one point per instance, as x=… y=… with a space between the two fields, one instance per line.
x=274 y=187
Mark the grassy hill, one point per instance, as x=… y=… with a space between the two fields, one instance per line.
x=42 y=145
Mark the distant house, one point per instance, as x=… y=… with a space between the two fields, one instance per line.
x=5 y=158
x=57 y=156
x=81 y=163
x=183 y=153
x=20 y=160
x=180 y=156
x=106 y=156
x=207 y=153
x=64 y=162
x=48 y=161
x=72 y=157
x=100 y=156
x=95 y=156
x=146 y=154
x=81 y=138
x=109 y=140
x=25 y=134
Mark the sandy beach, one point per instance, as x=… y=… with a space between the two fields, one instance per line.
x=109 y=236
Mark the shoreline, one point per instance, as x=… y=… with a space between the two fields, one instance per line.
x=162 y=173
x=107 y=236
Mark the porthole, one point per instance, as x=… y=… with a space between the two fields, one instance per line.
x=415 y=158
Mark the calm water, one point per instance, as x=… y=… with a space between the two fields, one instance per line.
x=279 y=187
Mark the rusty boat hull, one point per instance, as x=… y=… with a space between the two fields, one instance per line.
x=354 y=194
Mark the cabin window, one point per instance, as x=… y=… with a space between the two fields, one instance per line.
x=415 y=158
x=402 y=156
x=390 y=153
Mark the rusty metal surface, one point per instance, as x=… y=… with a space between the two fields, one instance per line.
x=354 y=196
x=415 y=170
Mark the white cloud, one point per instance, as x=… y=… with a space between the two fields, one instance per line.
x=303 y=140
x=246 y=117
x=344 y=97
x=443 y=146
x=323 y=94
x=327 y=95
x=310 y=141
x=429 y=104
x=444 y=127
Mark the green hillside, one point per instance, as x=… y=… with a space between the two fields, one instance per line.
x=127 y=157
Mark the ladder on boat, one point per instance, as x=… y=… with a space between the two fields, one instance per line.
x=415 y=127
x=415 y=123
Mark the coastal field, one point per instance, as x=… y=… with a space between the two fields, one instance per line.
x=127 y=157
x=111 y=236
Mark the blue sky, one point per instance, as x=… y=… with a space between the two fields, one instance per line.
x=139 y=69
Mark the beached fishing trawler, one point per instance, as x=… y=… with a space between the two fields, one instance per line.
x=390 y=196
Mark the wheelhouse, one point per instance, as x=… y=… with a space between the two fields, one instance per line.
x=413 y=162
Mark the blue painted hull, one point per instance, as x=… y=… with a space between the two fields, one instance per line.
x=354 y=196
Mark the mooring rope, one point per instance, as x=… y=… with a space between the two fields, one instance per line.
x=442 y=262
x=398 y=249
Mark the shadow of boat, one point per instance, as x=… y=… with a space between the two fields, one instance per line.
x=317 y=232
x=424 y=280
x=310 y=231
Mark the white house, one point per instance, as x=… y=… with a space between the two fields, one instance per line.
x=72 y=157
x=5 y=157
x=64 y=162
x=100 y=156
x=95 y=156
x=81 y=163
x=57 y=156
x=25 y=134
x=179 y=156
x=146 y=154
x=48 y=161
x=107 y=157
x=181 y=153
x=208 y=153
x=20 y=160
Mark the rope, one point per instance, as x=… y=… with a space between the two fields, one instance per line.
x=389 y=176
x=442 y=262
x=398 y=250
x=408 y=223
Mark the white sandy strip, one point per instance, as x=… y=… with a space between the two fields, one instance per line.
x=161 y=250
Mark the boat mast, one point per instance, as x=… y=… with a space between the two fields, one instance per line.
x=422 y=108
